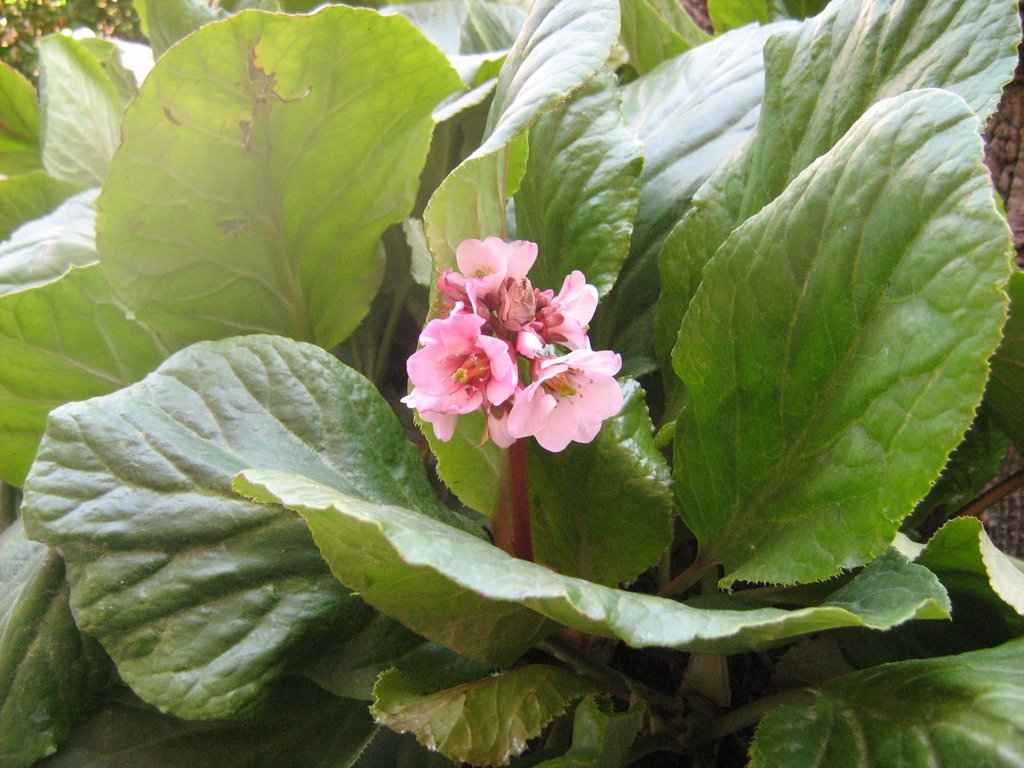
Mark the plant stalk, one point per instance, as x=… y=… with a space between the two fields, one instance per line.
x=751 y=714
x=1000 y=490
x=519 y=480
x=685 y=579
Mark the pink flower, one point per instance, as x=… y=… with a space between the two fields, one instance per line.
x=568 y=399
x=560 y=319
x=458 y=370
x=487 y=263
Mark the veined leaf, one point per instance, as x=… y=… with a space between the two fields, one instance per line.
x=50 y=673
x=486 y=722
x=960 y=710
x=603 y=510
x=578 y=198
x=19 y=124
x=64 y=335
x=28 y=197
x=817 y=415
x=599 y=739
x=289 y=144
x=168 y=21
x=820 y=78
x=474 y=598
x=81 y=112
x=301 y=727
x=654 y=31
x=203 y=599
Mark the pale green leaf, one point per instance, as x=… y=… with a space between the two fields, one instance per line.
x=578 y=198
x=65 y=334
x=81 y=112
x=654 y=31
x=202 y=599
x=835 y=353
x=876 y=49
x=288 y=144
x=19 y=124
x=168 y=21
x=50 y=673
x=603 y=509
x=474 y=598
x=485 y=722
x=30 y=196
x=957 y=711
x=599 y=739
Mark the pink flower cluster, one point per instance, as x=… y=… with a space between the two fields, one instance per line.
x=470 y=358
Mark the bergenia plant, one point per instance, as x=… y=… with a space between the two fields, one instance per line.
x=488 y=384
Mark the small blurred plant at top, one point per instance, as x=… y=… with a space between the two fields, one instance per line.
x=23 y=21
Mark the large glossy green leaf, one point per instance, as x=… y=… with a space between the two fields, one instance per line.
x=600 y=739
x=1005 y=396
x=288 y=144
x=578 y=198
x=81 y=112
x=19 y=124
x=835 y=352
x=603 y=509
x=50 y=673
x=301 y=727
x=201 y=598
x=474 y=598
x=30 y=196
x=485 y=722
x=691 y=113
x=63 y=335
x=958 y=711
x=819 y=79
x=654 y=31
x=560 y=47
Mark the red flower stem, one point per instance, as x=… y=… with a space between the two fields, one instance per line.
x=519 y=477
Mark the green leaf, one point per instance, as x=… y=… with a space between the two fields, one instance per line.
x=691 y=114
x=486 y=722
x=201 y=598
x=399 y=750
x=50 y=673
x=1005 y=396
x=599 y=739
x=168 y=21
x=30 y=196
x=964 y=557
x=562 y=44
x=292 y=140
x=960 y=710
x=578 y=198
x=729 y=14
x=65 y=334
x=474 y=598
x=878 y=49
x=970 y=468
x=19 y=124
x=81 y=112
x=604 y=509
x=301 y=727
x=817 y=416
x=654 y=31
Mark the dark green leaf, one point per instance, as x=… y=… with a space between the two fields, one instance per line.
x=599 y=739
x=818 y=415
x=603 y=509
x=50 y=673
x=957 y=711
x=474 y=598
x=66 y=335
x=485 y=722
x=819 y=79
x=301 y=727
x=19 y=124
x=28 y=197
x=81 y=112
x=289 y=144
x=1005 y=396
x=578 y=198
x=201 y=598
